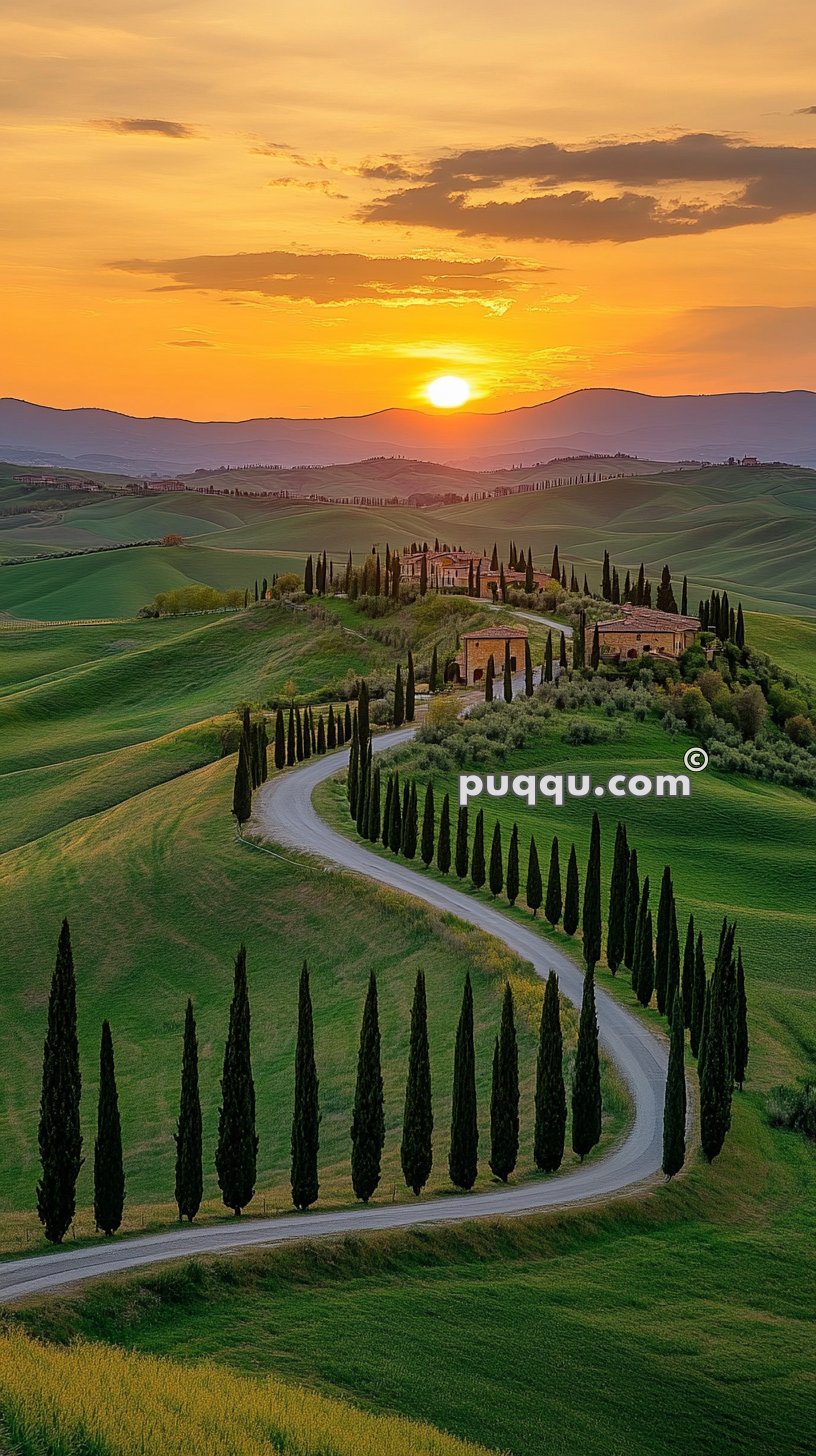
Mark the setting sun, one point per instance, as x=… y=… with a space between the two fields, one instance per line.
x=448 y=392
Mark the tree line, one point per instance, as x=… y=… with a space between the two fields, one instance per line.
x=297 y=736
x=60 y=1138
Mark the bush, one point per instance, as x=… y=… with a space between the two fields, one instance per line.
x=794 y=1108
x=581 y=731
x=193 y=599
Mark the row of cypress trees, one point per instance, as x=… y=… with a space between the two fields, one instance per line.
x=297 y=736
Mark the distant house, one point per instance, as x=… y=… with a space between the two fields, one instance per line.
x=163 y=485
x=460 y=568
x=478 y=647
x=749 y=460
x=642 y=630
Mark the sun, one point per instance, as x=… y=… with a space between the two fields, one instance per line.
x=448 y=392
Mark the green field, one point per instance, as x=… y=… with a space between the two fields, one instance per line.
x=752 y=532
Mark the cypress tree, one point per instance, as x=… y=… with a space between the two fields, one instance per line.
x=592 y=898
x=715 y=1060
x=684 y=597
x=571 y=894
x=741 y=1043
x=739 y=630
x=550 y=1093
x=553 y=903
x=548 y=659
x=363 y=792
x=687 y=979
x=347 y=723
x=290 y=739
x=188 y=1136
x=242 y=787
x=504 y=1096
x=280 y=740
x=354 y=775
x=674 y=1109
x=562 y=652
x=646 y=969
x=586 y=1085
x=631 y=910
x=616 y=927
x=639 y=929
x=321 y=734
x=528 y=669
x=410 y=690
x=464 y=1143
x=489 y=676
x=529 y=580
x=368 y=1121
x=308 y=579
x=673 y=978
x=555 y=569
x=331 y=729
x=461 y=853
x=399 y=699
x=410 y=827
x=534 y=891
x=306 y=1114
x=416 y=1151
x=496 y=868
x=109 y=1172
x=395 y=822
x=698 y=997
x=59 y=1136
x=373 y=823
x=508 y=675
x=433 y=676
x=428 y=827
x=307 y=733
x=606 y=581
x=298 y=736
x=237 y=1151
x=512 y=887
x=662 y=950
x=477 y=859
x=386 y=818
x=443 y=847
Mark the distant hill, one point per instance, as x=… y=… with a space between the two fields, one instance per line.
x=770 y=426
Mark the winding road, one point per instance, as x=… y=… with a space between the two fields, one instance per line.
x=284 y=814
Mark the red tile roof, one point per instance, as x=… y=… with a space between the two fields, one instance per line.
x=646 y=619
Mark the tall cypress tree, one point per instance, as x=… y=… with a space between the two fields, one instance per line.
x=59 y=1136
x=368 y=1121
x=395 y=820
x=443 y=847
x=630 y=916
x=461 y=860
x=347 y=723
x=280 y=740
x=698 y=997
x=242 y=787
x=364 y=791
x=477 y=859
x=237 y=1150
x=571 y=894
x=428 y=827
x=291 y=756
x=109 y=1171
x=553 y=903
x=306 y=1114
x=433 y=676
x=595 y=654
x=298 y=736
x=715 y=1059
x=662 y=950
x=562 y=652
x=410 y=828
x=490 y=673
x=687 y=978
x=464 y=1143
x=534 y=890
x=386 y=818
x=548 y=659
x=504 y=1096
x=331 y=729
x=741 y=1042
x=416 y=1151
x=616 y=926
x=399 y=699
x=639 y=932
x=508 y=674
x=673 y=978
x=373 y=820
x=646 y=967
x=674 y=1110
x=592 y=898
x=321 y=734
x=550 y=1093
x=354 y=776
x=587 y=1109
x=512 y=887
x=410 y=690
x=496 y=869
x=188 y=1135
x=528 y=669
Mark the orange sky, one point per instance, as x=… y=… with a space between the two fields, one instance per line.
x=223 y=211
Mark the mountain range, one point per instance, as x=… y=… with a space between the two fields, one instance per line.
x=770 y=426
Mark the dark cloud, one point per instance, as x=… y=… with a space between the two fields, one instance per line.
x=323 y=186
x=805 y=111
x=389 y=169
x=146 y=126
x=289 y=154
x=332 y=278
x=757 y=184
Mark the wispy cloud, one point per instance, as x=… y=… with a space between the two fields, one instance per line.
x=569 y=198
x=190 y=344
x=146 y=126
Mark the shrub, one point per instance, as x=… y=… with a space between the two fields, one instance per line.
x=794 y=1108
x=581 y=731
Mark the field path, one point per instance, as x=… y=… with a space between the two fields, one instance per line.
x=285 y=814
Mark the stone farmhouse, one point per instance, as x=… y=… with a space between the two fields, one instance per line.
x=478 y=647
x=459 y=569
x=640 y=631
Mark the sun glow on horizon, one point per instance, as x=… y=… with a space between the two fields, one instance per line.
x=449 y=391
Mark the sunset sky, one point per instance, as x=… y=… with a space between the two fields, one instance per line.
x=249 y=209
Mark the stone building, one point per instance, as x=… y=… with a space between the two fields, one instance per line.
x=642 y=630
x=478 y=647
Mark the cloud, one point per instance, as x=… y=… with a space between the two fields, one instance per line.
x=190 y=344
x=647 y=189
x=323 y=186
x=388 y=169
x=805 y=111
x=146 y=126
x=290 y=154
x=343 y=278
